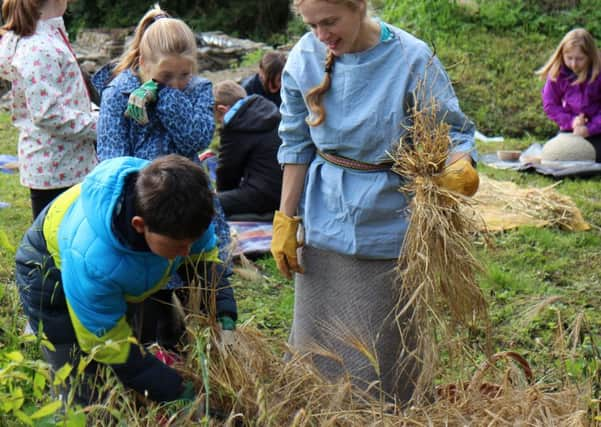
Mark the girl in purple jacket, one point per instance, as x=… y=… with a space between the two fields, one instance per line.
x=572 y=92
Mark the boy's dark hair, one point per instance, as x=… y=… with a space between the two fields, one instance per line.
x=173 y=197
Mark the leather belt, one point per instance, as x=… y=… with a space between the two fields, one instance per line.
x=345 y=162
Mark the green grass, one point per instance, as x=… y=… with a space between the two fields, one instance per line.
x=266 y=303
x=540 y=283
x=15 y=219
x=492 y=51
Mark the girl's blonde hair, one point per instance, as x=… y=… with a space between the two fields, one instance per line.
x=158 y=35
x=316 y=94
x=582 y=39
x=21 y=16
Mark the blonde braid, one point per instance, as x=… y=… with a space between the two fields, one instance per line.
x=315 y=95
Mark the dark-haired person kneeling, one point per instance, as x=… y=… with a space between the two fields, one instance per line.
x=104 y=249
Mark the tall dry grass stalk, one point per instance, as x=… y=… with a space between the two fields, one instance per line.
x=437 y=287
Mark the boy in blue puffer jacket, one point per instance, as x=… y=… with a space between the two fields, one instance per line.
x=97 y=255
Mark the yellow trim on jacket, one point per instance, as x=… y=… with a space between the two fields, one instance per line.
x=54 y=217
x=112 y=348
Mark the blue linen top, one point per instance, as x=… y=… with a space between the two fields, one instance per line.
x=367 y=111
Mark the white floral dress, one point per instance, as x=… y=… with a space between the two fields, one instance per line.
x=50 y=107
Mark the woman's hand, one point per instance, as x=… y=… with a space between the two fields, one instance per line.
x=284 y=243
x=459 y=176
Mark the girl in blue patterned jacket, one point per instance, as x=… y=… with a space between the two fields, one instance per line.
x=155 y=103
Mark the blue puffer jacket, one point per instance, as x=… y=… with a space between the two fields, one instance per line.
x=72 y=249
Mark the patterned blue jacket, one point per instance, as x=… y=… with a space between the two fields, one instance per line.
x=180 y=122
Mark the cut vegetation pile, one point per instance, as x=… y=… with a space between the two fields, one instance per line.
x=502 y=205
x=251 y=384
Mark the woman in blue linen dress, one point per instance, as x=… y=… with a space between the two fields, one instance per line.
x=337 y=128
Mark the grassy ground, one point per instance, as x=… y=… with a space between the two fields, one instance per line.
x=15 y=219
x=542 y=284
x=491 y=49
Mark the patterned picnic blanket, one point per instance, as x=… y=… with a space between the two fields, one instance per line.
x=250 y=237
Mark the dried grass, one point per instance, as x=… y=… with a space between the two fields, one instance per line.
x=502 y=205
x=252 y=385
x=438 y=291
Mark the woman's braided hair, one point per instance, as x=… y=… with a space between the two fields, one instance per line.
x=315 y=95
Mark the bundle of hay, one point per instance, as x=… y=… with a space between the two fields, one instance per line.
x=436 y=268
x=503 y=205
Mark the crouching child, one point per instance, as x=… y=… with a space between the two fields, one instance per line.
x=101 y=252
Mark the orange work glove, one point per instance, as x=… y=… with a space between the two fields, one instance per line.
x=460 y=177
x=284 y=243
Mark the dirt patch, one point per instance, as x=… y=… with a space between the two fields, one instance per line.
x=236 y=74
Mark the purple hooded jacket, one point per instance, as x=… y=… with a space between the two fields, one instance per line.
x=563 y=101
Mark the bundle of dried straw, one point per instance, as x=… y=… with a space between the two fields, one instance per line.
x=251 y=383
x=436 y=268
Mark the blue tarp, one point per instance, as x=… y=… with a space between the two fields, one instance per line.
x=4 y=159
x=556 y=170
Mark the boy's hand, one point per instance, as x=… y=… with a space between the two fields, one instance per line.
x=138 y=99
x=188 y=392
x=228 y=325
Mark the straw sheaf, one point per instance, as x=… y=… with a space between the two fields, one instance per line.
x=438 y=291
x=503 y=205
